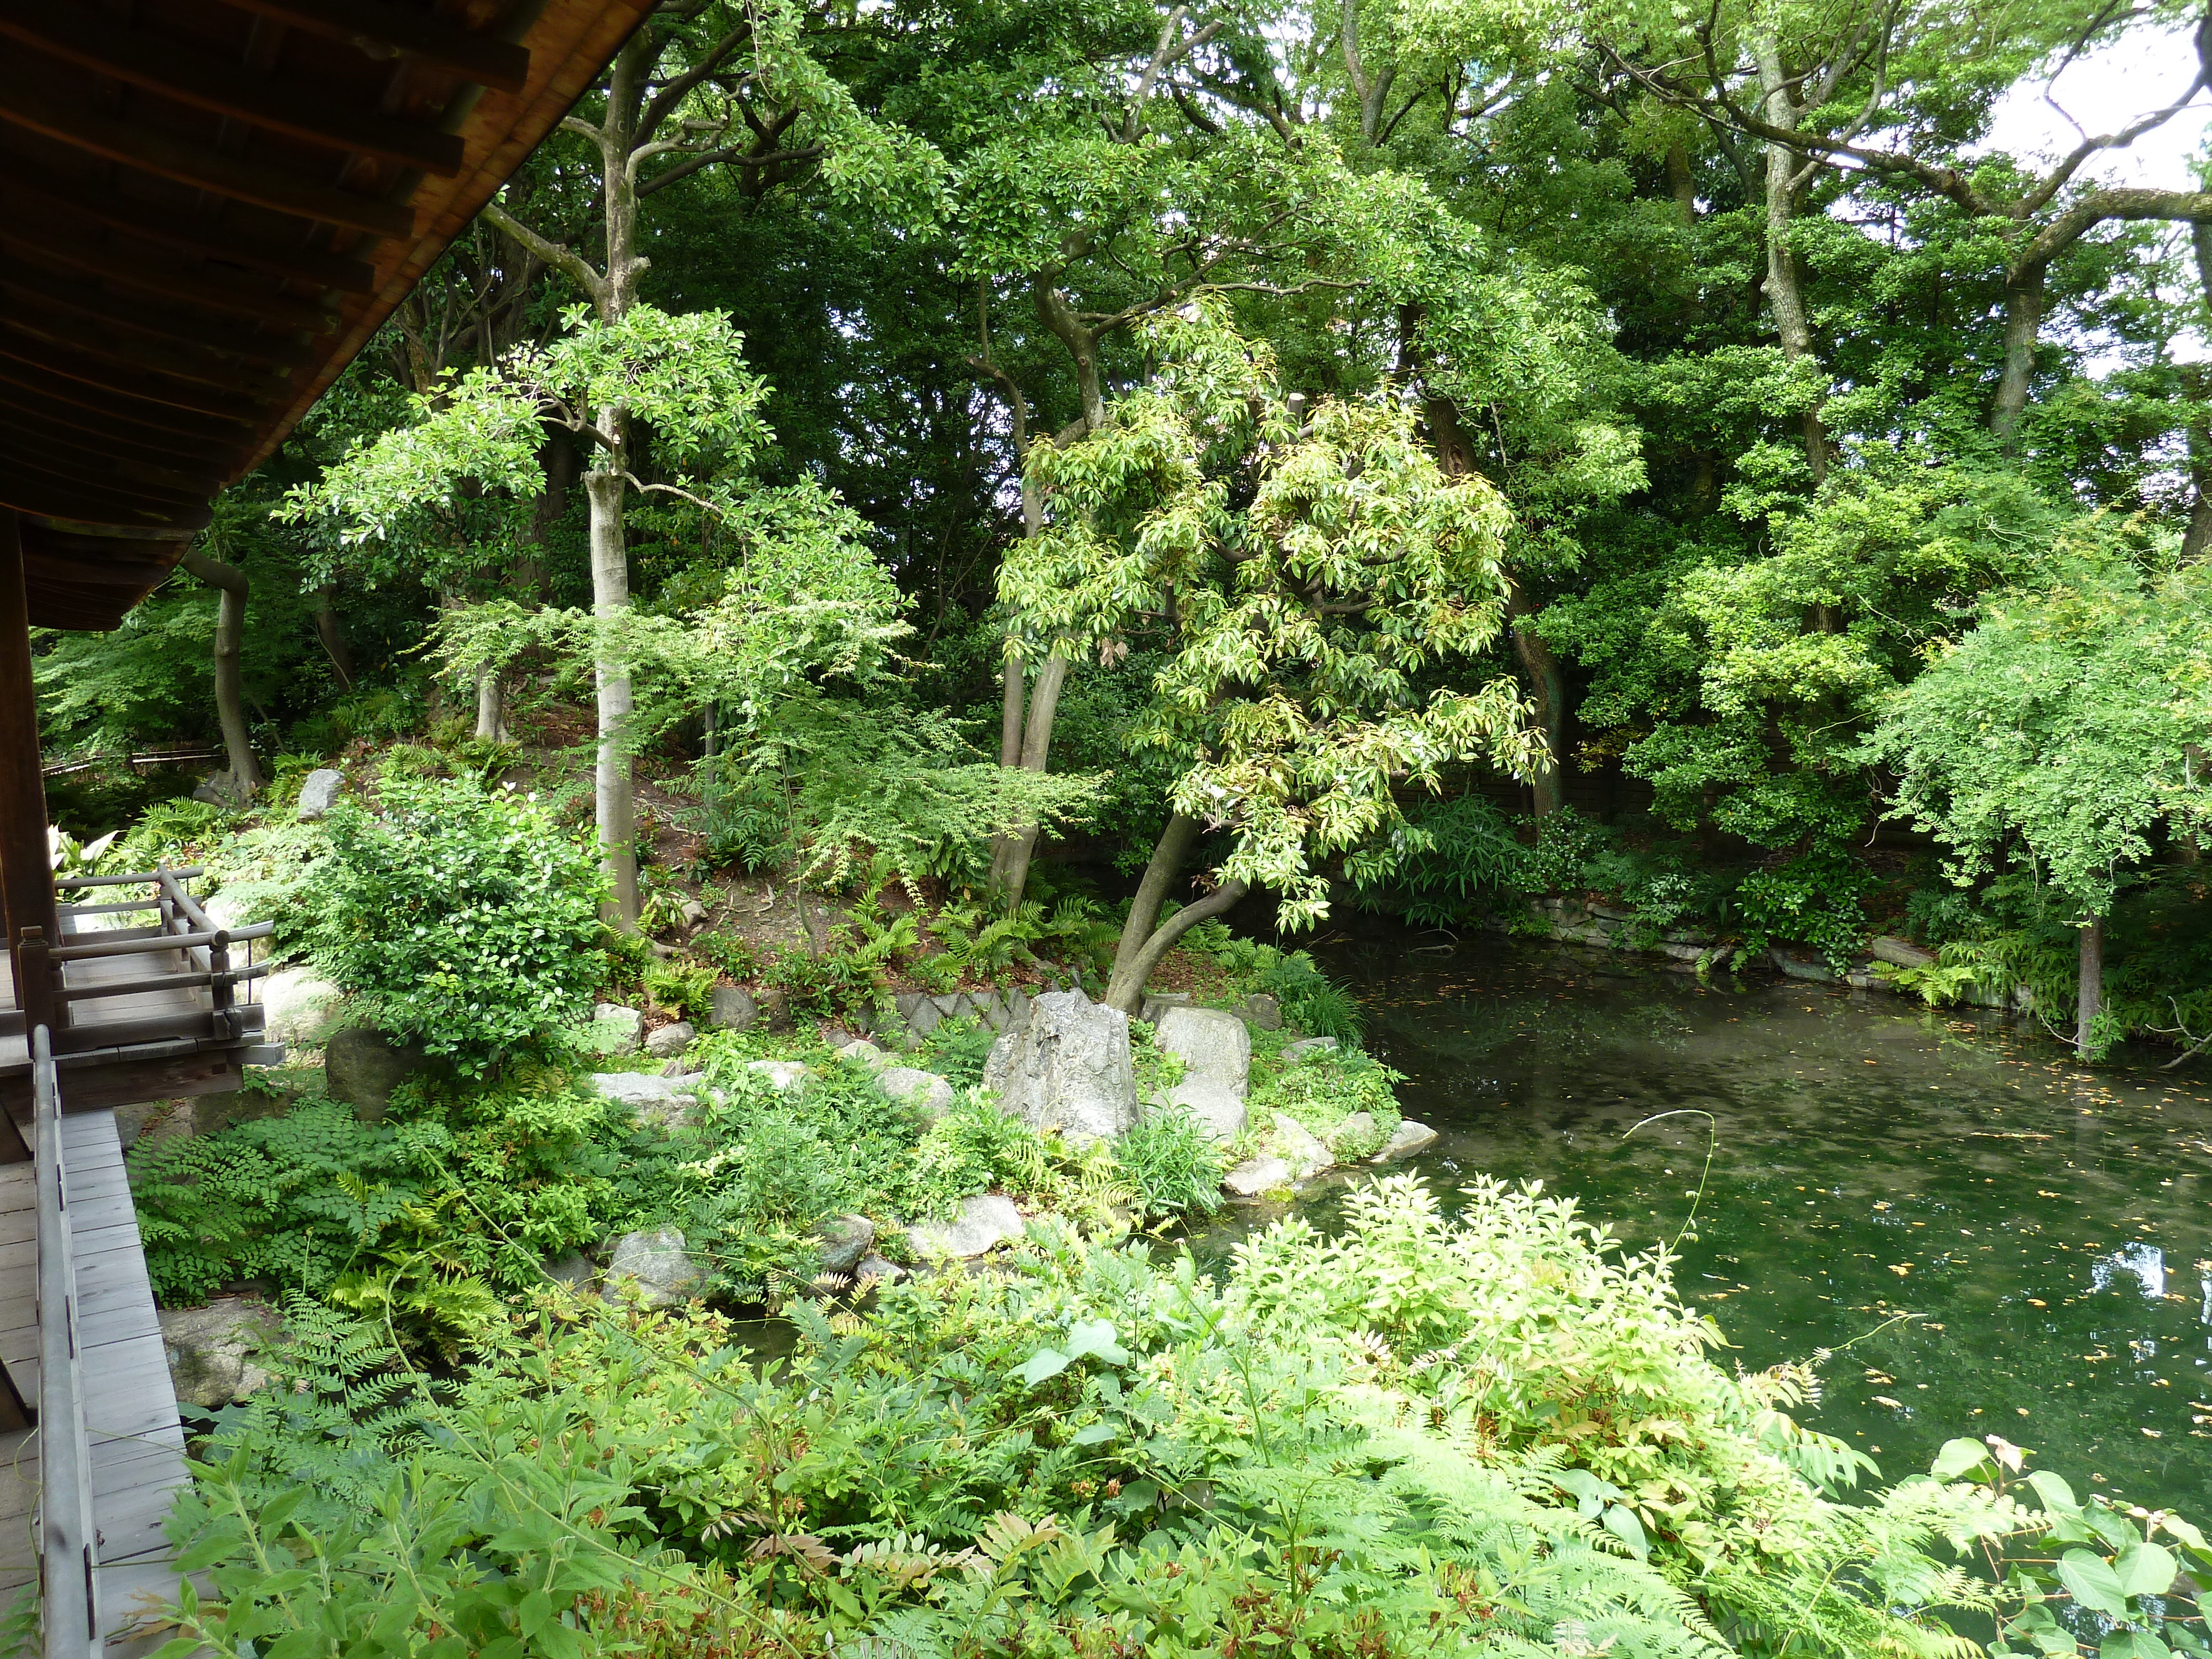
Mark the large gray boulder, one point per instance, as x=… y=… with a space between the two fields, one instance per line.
x=1306 y=1048
x=845 y=1240
x=861 y=1052
x=655 y=1264
x=733 y=1010
x=1299 y=1147
x=670 y=1040
x=668 y=1102
x=212 y=1351
x=298 y=1006
x=1407 y=1139
x=1262 y=1012
x=984 y=1222
x=1158 y=1003
x=617 y=1030
x=361 y=1067
x=1216 y=1050
x=320 y=793
x=1255 y=1176
x=1067 y=1069
x=928 y=1095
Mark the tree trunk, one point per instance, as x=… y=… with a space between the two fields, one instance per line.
x=1680 y=185
x=1785 y=290
x=1010 y=859
x=1143 y=943
x=491 y=706
x=229 y=582
x=331 y=634
x=2089 y=995
x=1010 y=711
x=617 y=806
x=1167 y=861
x=2023 y=326
x=1547 y=684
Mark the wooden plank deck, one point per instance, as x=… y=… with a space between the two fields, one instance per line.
x=130 y=1408
x=184 y=1005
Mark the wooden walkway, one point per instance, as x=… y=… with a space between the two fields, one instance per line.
x=131 y=1407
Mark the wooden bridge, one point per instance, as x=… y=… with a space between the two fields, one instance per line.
x=208 y=207
x=145 y=997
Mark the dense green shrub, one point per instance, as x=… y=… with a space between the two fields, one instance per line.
x=466 y=919
x=1325 y=1088
x=1492 y=1433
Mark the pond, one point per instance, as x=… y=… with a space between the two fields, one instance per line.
x=1988 y=1238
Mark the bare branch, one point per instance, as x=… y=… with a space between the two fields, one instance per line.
x=665 y=101
x=570 y=264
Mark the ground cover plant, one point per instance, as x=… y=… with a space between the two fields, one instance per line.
x=1485 y=1429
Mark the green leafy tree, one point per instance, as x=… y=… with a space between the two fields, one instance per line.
x=2061 y=734
x=1301 y=572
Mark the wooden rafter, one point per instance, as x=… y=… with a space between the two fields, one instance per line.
x=32 y=211
x=386 y=31
x=151 y=386
x=287 y=350
x=25 y=103
x=67 y=325
x=87 y=39
x=214 y=290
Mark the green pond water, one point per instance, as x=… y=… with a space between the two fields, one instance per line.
x=2044 y=1226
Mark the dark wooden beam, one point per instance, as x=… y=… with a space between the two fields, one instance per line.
x=55 y=249
x=383 y=31
x=34 y=463
x=26 y=882
x=286 y=350
x=154 y=426
x=84 y=426
x=41 y=434
x=29 y=492
x=31 y=210
x=65 y=326
x=84 y=37
x=154 y=388
x=25 y=102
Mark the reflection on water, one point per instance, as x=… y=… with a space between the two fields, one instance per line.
x=1994 y=1237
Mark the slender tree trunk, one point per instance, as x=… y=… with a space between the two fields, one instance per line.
x=1168 y=855
x=491 y=706
x=229 y=583
x=1547 y=684
x=327 y=630
x=1680 y=185
x=2023 y=327
x=1010 y=859
x=2089 y=995
x=1145 y=937
x=1785 y=290
x=616 y=803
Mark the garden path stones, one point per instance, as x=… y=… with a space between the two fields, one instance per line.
x=1067 y=1069
x=1405 y=1140
x=617 y=1030
x=655 y=1264
x=1217 y=1056
x=929 y=1095
x=319 y=792
x=845 y=1240
x=984 y=1222
x=212 y=1350
x=361 y=1067
x=299 y=1006
x=1257 y=1175
x=666 y=1100
x=670 y=1040
x=1306 y=1047
x=733 y=1009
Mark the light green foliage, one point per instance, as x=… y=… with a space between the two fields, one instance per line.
x=399 y=498
x=1323 y=1089
x=1172 y=1163
x=2062 y=729
x=1294 y=628
x=465 y=918
x=1310 y=1001
x=1487 y=1433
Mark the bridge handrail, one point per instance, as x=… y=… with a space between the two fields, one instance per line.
x=68 y=1558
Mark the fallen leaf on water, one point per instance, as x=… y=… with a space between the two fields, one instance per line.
x=1901 y=1268
x=1884 y=1399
